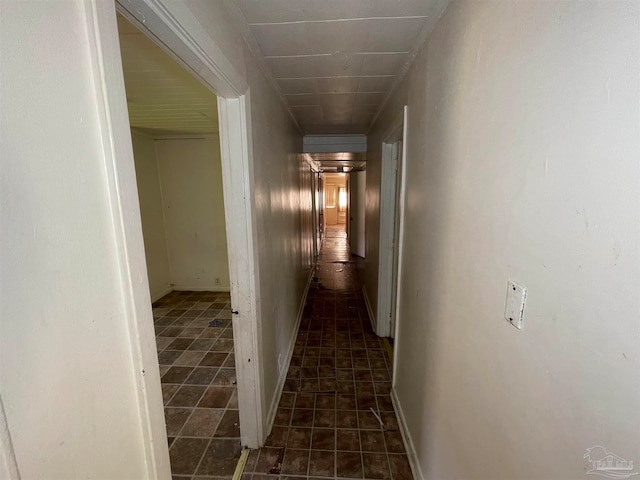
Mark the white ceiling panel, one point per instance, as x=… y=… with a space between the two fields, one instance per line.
x=338 y=84
x=399 y=8
x=292 y=67
x=338 y=65
x=162 y=97
x=335 y=61
x=281 y=38
x=298 y=85
x=310 y=113
x=360 y=109
x=370 y=98
x=303 y=99
x=375 y=84
x=382 y=63
x=346 y=9
x=272 y=11
x=338 y=101
x=392 y=34
x=333 y=10
x=362 y=118
x=349 y=36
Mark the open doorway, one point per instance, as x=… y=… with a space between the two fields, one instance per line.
x=166 y=28
x=391 y=226
x=176 y=146
x=335 y=201
x=357 y=191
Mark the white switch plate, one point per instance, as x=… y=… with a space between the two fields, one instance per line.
x=514 y=309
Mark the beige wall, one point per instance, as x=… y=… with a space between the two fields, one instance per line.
x=151 y=211
x=191 y=184
x=280 y=201
x=522 y=164
x=67 y=373
x=180 y=190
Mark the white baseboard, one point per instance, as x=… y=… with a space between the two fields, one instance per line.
x=164 y=292
x=406 y=437
x=275 y=400
x=200 y=288
x=374 y=323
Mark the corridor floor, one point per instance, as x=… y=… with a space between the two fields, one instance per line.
x=197 y=366
x=335 y=418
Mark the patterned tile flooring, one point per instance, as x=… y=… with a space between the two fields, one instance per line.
x=197 y=367
x=335 y=418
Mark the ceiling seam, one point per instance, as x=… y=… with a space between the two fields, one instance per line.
x=421 y=40
x=257 y=54
x=334 y=77
x=331 y=54
x=337 y=20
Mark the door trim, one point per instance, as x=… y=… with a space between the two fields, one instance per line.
x=122 y=192
x=171 y=25
x=237 y=183
x=388 y=194
x=401 y=225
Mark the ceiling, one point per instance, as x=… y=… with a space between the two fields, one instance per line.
x=162 y=97
x=338 y=162
x=336 y=61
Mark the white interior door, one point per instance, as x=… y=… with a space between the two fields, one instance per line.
x=396 y=177
x=391 y=220
x=331 y=204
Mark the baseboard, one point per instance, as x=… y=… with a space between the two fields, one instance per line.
x=164 y=292
x=406 y=437
x=275 y=400
x=206 y=288
x=372 y=317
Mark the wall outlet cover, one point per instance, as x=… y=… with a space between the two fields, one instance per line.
x=514 y=308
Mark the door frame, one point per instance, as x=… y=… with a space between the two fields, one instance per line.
x=392 y=194
x=172 y=26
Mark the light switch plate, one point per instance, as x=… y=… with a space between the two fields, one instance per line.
x=514 y=309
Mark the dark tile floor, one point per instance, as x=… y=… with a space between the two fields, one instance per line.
x=197 y=367
x=335 y=418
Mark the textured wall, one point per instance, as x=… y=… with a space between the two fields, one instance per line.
x=67 y=374
x=191 y=182
x=151 y=211
x=522 y=164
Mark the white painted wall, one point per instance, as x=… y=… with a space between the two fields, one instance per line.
x=180 y=189
x=191 y=184
x=522 y=164
x=357 y=192
x=68 y=376
x=332 y=184
x=151 y=210
x=280 y=202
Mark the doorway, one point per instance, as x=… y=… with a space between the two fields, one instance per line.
x=165 y=28
x=335 y=200
x=357 y=192
x=391 y=226
x=176 y=149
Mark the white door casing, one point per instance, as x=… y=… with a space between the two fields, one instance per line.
x=172 y=26
x=391 y=225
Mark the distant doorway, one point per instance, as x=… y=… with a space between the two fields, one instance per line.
x=391 y=226
x=335 y=199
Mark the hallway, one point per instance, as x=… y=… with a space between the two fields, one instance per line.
x=338 y=382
